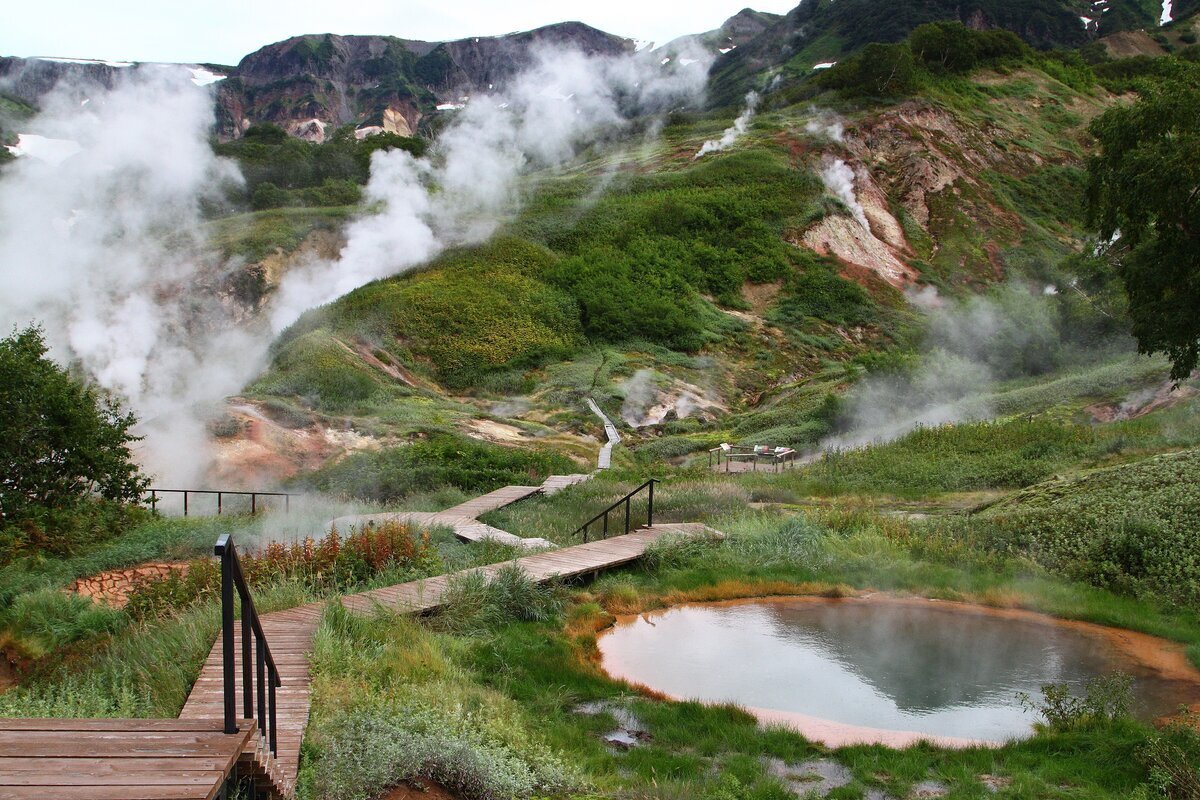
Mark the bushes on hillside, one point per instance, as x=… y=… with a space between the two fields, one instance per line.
x=1129 y=528
x=473 y=466
x=285 y=171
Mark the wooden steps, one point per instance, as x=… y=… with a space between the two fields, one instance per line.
x=290 y=638
x=118 y=759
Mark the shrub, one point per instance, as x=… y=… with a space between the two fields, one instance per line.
x=1106 y=699
x=1129 y=528
x=332 y=562
x=368 y=750
x=878 y=70
x=394 y=473
x=1172 y=756
x=63 y=445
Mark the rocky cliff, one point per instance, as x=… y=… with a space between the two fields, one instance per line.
x=308 y=84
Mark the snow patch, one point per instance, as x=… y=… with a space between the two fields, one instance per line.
x=825 y=65
x=451 y=106
x=85 y=61
x=44 y=148
x=205 y=77
x=1167 y=12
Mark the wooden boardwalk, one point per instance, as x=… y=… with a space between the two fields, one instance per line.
x=119 y=759
x=463 y=518
x=190 y=758
x=290 y=633
x=610 y=433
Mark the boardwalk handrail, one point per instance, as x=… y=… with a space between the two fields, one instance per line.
x=624 y=500
x=231 y=578
x=220 y=493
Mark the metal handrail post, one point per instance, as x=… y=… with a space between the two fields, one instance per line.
x=247 y=667
x=271 y=726
x=261 y=658
x=223 y=551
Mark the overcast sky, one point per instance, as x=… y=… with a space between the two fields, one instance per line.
x=222 y=31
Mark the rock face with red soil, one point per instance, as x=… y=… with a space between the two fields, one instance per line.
x=113 y=587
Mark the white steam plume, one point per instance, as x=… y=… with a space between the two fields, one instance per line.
x=838 y=178
x=564 y=103
x=968 y=347
x=640 y=393
x=107 y=250
x=735 y=132
x=828 y=125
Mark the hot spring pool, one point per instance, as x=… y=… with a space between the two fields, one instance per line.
x=883 y=669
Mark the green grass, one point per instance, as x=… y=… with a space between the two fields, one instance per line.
x=1129 y=527
x=258 y=234
x=473 y=467
x=515 y=672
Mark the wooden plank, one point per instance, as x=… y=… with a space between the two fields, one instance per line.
x=107 y=793
x=212 y=725
x=144 y=777
x=101 y=766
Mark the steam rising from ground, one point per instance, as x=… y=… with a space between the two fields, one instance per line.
x=827 y=124
x=734 y=132
x=838 y=178
x=969 y=346
x=563 y=104
x=107 y=249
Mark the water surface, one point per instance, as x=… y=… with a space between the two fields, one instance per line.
x=921 y=667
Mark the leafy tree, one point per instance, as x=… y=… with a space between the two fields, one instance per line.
x=1144 y=185
x=878 y=70
x=62 y=444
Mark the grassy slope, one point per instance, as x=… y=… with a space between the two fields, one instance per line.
x=680 y=253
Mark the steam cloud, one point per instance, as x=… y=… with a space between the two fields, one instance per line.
x=838 y=178
x=969 y=346
x=109 y=248
x=734 y=132
x=827 y=124
x=566 y=102
x=641 y=392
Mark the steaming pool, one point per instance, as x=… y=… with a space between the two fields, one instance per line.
x=886 y=670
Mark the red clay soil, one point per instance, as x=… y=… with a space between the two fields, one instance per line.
x=420 y=789
x=113 y=587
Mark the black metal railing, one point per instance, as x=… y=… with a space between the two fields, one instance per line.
x=261 y=690
x=648 y=486
x=221 y=495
